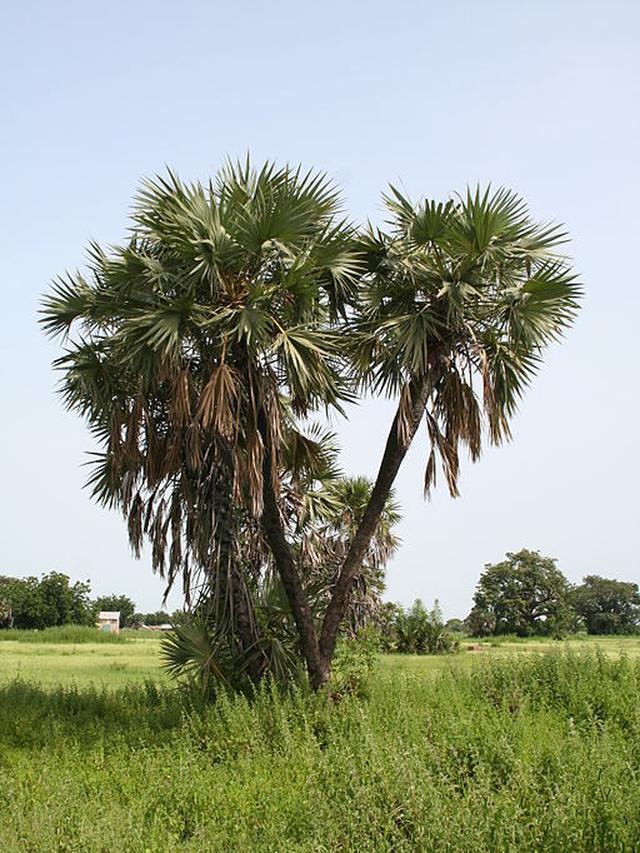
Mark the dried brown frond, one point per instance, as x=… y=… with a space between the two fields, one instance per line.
x=181 y=397
x=193 y=446
x=135 y=525
x=254 y=473
x=219 y=401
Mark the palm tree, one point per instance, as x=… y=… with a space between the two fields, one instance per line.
x=459 y=301
x=198 y=344
x=238 y=310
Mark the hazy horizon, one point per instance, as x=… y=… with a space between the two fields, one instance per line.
x=543 y=100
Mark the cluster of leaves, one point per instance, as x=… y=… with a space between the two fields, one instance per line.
x=526 y=594
x=415 y=630
x=44 y=602
x=355 y=663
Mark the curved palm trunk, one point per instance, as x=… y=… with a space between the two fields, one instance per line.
x=401 y=434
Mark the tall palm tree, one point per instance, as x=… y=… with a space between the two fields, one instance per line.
x=239 y=309
x=459 y=301
x=196 y=347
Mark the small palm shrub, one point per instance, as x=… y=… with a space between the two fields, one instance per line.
x=417 y=630
x=204 y=654
x=193 y=654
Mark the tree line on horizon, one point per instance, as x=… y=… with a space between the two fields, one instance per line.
x=525 y=594
x=33 y=603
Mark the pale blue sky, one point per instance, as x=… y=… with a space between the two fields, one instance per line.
x=542 y=97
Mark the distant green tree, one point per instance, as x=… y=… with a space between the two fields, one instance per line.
x=82 y=610
x=480 y=622
x=47 y=602
x=525 y=594
x=62 y=602
x=160 y=617
x=122 y=603
x=24 y=598
x=607 y=606
x=384 y=622
x=57 y=599
x=456 y=626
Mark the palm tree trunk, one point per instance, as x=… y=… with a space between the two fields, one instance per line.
x=318 y=653
x=394 y=453
x=242 y=615
x=285 y=564
x=246 y=626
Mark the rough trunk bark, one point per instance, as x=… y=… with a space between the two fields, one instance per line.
x=285 y=564
x=242 y=615
x=245 y=625
x=394 y=453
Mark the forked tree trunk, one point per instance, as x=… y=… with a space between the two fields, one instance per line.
x=318 y=652
x=285 y=564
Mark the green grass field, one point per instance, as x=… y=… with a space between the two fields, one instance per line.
x=102 y=664
x=500 y=647
x=523 y=746
x=47 y=659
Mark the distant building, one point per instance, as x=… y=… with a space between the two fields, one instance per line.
x=109 y=621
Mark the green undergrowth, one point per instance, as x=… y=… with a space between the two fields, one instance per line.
x=524 y=753
x=64 y=634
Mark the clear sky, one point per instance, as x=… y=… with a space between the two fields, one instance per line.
x=540 y=96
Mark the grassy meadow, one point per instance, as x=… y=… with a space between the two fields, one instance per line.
x=522 y=746
x=85 y=658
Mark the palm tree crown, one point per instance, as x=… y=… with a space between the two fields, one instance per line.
x=469 y=293
x=219 y=312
